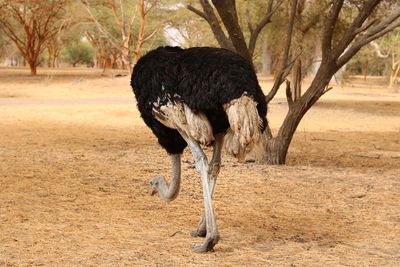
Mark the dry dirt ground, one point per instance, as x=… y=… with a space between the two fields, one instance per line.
x=75 y=159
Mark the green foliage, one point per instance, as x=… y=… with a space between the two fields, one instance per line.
x=78 y=52
x=365 y=62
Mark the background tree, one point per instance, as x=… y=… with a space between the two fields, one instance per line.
x=30 y=24
x=7 y=51
x=70 y=26
x=391 y=46
x=78 y=51
x=122 y=23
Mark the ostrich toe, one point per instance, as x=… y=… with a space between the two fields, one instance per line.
x=207 y=245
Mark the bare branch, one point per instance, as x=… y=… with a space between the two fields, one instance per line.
x=122 y=10
x=141 y=33
x=327 y=89
x=117 y=19
x=267 y=19
x=391 y=22
x=365 y=27
x=133 y=16
x=148 y=37
x=355 y=27
x=285 y=69
x=289 y=94
x=112 y=39
x=198 y=12
x=228 y=13
x=329 y=27
x=212 y=20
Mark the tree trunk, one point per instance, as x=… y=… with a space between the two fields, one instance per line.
x=140 y=39
x=32 y=66
x=49 y=61
x=393 y=76
x=227 y=11
x=278 y=146
x=276 y=151
x=394 y=72
x=55 y=62
x=296 y=80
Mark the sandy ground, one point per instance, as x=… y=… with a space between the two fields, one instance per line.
x=75 y=159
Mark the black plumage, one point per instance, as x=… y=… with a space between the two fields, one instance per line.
x=203 y=78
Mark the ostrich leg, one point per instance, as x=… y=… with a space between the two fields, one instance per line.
x=201 y=161
x=213 y=172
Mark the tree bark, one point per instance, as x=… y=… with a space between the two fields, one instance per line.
x=277 y=147
x=296 y=79
x=32 y=67
x=140 y=40
x=227 y=11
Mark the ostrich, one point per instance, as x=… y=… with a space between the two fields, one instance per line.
x=199 y=96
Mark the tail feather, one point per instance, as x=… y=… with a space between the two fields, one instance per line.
x=245 y=126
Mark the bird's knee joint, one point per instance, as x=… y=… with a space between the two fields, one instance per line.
x=214 y=168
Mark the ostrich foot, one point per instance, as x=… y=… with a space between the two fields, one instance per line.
x=208 y=245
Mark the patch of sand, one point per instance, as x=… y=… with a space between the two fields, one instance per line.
x=75 y=161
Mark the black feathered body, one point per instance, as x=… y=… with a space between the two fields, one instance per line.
x=203 y=78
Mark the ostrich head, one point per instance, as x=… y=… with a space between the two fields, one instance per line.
x=167 y=192
x=158 y=184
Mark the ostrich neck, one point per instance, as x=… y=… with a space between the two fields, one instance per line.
x=169 y=193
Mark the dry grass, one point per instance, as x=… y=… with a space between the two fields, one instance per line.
x=76 y=157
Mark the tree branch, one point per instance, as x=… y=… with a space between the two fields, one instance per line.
x=111 y=39
x=198 y=12
x=327 y=89
x=285 y=68
x=356 y=27
x=391 y=22
x=212 y=20
x=118 y=21
x=289 y=94
x=228 y=13
x=365 y=27
x=267 y=19
x=133 y=16
x=329 y=28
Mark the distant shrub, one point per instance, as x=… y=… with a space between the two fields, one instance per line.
x=78 y=52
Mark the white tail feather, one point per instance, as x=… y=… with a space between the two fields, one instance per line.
x=245 y=126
